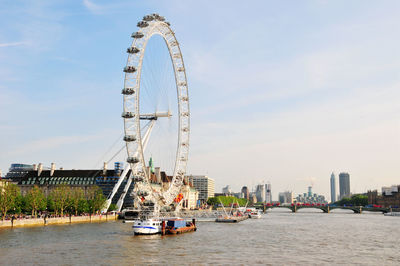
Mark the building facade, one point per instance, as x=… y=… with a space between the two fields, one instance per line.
x=344 y=185
x=268 y=193
x=227 y=190
x=260 y=193
x=389 y=198
x=48 y=178
x=204 y=185
x=246 y=193
x=190 y=196
x=333 y=188
x=286 y=197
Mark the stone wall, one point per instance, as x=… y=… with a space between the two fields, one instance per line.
x=57 y=220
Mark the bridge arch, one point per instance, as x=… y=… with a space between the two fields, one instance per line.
x=311 y=209
x=279 y=209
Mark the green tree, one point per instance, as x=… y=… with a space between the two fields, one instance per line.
x=226 y=201
x=76 y=196
x=20 y=204
x=83 y=206
x=112 y=207
x=95 y=199
x=356 y=200
x=359 y=200
x=8 y=196
x=213 y=201
x=36 y=200
x=50 y=204
x=61 y=196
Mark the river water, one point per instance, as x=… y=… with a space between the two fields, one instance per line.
x=278 y=238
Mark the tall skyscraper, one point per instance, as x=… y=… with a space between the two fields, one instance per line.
x=333 y=188
x=268 y=193
x=260 y=193
x=344 y=185
x=310 y=191
x=245 y=192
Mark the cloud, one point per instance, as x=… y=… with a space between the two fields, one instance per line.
x=51 y=143
x=110 y=7
x=92 y=7
x=11 y=44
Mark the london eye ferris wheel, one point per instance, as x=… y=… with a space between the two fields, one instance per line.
x=155 y=110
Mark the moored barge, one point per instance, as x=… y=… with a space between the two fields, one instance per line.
x=177 y=226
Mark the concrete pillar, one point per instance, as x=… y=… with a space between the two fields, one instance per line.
x=52 y=169
x=104 y=169
x=40 y=169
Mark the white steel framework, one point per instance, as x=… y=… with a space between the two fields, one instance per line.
x=143 y=193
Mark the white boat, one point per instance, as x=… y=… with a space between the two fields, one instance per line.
x=255 y=215
x=147 y=226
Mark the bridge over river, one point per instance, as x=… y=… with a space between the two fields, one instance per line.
x=326 y=208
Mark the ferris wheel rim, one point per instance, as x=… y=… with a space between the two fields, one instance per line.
x=134 y=64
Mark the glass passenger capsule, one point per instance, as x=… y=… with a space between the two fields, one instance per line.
x=132 y=50
x=130 y=69
x=128 y=115
x=128 y=91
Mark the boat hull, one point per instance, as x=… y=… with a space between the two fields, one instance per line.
x=231 y=219
x=147 y=227
x=174 y=231
x=146 y=231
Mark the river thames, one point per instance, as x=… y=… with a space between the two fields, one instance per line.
x=278 y=238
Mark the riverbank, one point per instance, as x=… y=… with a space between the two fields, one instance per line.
x=57 y=220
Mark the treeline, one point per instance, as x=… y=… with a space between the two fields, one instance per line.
x=60 y=201
x=226 y=201
x=355 y=200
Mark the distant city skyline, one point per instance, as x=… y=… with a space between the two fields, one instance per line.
x=280 y=92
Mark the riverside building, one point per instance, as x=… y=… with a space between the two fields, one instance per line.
x=286 y=197
x=204 y=185
x=47 y=178
x=389 y=198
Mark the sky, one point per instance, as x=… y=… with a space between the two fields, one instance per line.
x=285 y=92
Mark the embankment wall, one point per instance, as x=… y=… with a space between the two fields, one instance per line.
x=57 y=220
